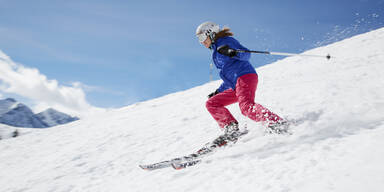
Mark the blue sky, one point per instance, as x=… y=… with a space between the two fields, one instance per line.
x=123 y=52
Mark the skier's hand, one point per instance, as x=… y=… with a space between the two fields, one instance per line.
x=226 y=50
x=213 y=93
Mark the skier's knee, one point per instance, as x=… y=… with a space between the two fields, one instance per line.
x=208 y=104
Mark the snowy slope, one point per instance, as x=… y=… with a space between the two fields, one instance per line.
x=336 y=147
x=7 y=132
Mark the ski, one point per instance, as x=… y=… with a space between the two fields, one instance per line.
x=194 y=158
x=168 y=163
x=183 y=165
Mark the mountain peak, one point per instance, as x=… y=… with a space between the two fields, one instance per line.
x=17 y=114
x=53 y=117
x=50 y=110
x=10 y=100
x=7 y=105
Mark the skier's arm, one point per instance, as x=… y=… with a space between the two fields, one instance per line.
x=229 y=49
x=243 y=56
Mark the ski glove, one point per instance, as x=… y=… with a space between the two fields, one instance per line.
x=226 y=50
x=213 y=93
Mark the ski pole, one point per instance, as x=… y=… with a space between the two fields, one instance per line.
x=284 y=54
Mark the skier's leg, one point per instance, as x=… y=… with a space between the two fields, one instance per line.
x=245 y=92
x=216 y=107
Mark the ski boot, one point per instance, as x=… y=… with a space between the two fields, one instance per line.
x=231 y=134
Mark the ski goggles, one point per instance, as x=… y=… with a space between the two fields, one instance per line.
x=202 y=37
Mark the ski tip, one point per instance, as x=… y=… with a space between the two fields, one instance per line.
x=144 y=168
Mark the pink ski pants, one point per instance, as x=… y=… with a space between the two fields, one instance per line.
x=244 y=94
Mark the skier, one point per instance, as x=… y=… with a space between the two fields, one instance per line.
x=239 y=85
x=239 y=82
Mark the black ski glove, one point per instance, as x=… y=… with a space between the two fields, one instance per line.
x=213 y=93
x=226 y=50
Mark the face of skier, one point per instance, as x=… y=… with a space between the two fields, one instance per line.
x=207 y=42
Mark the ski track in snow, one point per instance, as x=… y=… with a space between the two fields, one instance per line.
x=336 y=145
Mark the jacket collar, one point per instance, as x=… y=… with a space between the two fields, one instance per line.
x=218 y=42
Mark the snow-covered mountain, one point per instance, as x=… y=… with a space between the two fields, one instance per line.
x=17 y=114
x=52 y=117
x=7 y=105
x=336 y=146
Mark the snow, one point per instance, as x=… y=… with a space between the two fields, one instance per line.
x=336 y=144
x=6 y=131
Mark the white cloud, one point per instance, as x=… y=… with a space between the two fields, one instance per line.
x=30 y=83
x=91 y=88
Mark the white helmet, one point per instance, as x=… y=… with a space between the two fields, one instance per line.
x=207 y=29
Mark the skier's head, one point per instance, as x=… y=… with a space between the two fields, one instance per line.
x=206 y=33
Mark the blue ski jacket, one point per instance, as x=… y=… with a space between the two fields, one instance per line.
x=231 y=68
